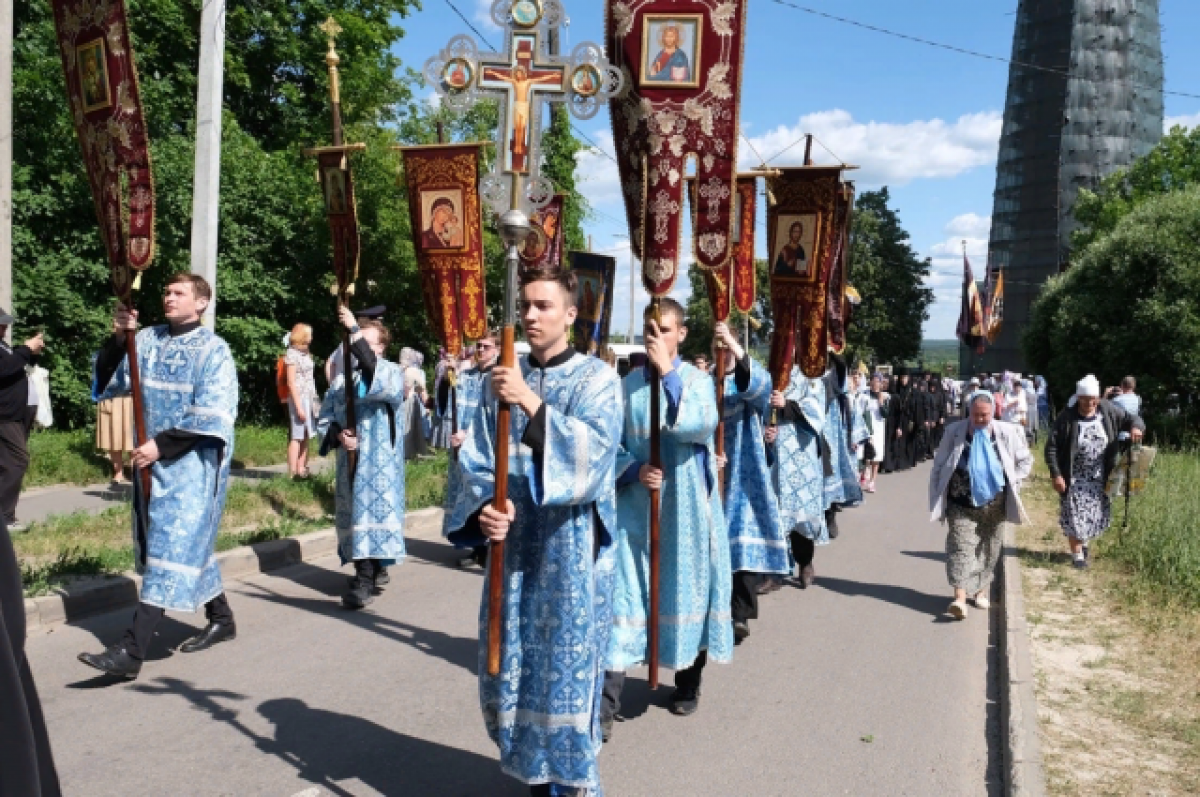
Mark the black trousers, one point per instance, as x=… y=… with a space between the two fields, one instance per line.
x=14 y=461
x=614 y=683
x=745 y=595
x=146 y=618
x=803 y=549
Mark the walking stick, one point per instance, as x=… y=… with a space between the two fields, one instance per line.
x=514 y=227
x=453 y=409
x=720 y=441
x=1128 y=483
x=142 y=476
x=655 y=510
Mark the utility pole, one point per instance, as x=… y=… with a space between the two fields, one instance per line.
x=206 y=191
x=6 y=129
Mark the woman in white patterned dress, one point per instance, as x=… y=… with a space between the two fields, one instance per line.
x=303 y=401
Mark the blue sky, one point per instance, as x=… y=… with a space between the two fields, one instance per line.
x=923 y=121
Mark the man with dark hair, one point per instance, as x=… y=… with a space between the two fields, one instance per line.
x=190 y=394
x=369 y=508
x=559 y=525
x=469 y=392
x=695 y=571
x=15 y=390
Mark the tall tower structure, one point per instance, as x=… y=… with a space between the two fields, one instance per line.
x=1095 y=105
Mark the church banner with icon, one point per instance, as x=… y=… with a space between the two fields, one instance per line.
x=337 y=187
x=544 y=244
x=597 y=276
x=447 y=224
x=804 y=242
x=682 y=60
x=106 y=108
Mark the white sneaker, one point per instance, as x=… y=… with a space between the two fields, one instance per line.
x=982 y=603
x=958 y=610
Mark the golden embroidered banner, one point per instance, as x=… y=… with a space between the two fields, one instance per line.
x=106 y=108
x=447 y=223
x=732 y=284
x=804 y=242
x=682 y=61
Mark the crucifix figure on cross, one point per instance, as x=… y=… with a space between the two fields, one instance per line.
x=523 y=77
x=522 y=81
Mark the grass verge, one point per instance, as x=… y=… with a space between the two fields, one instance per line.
x=70 y=546
x=70 y=457
x=1115 y=646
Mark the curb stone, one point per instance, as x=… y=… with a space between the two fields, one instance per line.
x=92 y=596
x=1024 y=776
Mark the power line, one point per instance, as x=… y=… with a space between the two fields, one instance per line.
x=963 y=50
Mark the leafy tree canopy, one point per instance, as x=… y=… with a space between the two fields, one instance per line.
x=1129 y=304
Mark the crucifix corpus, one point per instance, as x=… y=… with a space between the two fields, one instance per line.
x=522 y=78
x=337 y=186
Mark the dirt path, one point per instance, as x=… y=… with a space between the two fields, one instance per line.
x=1118 y=682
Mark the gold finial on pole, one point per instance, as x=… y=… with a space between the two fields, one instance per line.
x=331 y=28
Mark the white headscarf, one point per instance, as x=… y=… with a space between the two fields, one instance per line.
x=1087 y=387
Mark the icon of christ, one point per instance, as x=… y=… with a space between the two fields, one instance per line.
x=521 y=81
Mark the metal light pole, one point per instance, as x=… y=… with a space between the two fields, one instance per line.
x=206 y=190
x=6 y=100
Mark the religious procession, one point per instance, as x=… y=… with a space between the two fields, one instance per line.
x=817 y=521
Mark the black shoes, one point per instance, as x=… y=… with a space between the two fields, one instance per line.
x=359 y=595
x=684 y=702
x=115 y=661
x=382 y=579
x=741 y=630
x=606 y=729
x=807 y=576
x=211 y=635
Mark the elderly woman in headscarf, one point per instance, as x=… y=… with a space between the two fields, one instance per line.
x=1081 y=453
x=414 y=403
x=974 y=486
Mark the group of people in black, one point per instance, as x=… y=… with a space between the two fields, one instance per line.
x=917 y=409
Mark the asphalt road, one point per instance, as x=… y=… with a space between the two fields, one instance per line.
x=856 y=686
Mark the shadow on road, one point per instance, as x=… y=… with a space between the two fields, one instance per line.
x=922 y=602
x=933 y=556
x=459 y=651
x=326 y=748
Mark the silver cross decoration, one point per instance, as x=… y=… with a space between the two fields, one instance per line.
x=522 y=77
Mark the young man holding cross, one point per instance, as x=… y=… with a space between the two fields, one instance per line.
x=695 y=574
x=542 y=710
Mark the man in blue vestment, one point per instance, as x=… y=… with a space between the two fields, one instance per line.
x=542 y=710
x=470 y=389
x=190 y=395
x=369 y=508
x=694 y=573
x=758 y=542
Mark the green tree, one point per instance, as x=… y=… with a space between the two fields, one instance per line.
x=1174 y=163
x=1130 y=304
x=700 y=318
x=887 y=326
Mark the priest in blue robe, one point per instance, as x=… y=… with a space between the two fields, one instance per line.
x=469 y=392
x=190 y=394
x=368 y=508
x=842 y=487
x=799 y=466
x=542 y=709
x=694 y=575
x=758 y=543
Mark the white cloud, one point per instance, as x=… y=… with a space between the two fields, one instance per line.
x=483 y=15
x=969 y=225
x=597 y=172
x=1186 y=120
x=888 y=153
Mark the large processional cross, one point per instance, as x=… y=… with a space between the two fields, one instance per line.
x=522 y=79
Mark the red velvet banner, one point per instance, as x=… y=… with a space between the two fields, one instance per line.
x=544 y=245
x=682 y=61
x=447 y=224
x=839 y=306
x=337 y=186
x=803 y=243
x=738 y=270
x=106 y=107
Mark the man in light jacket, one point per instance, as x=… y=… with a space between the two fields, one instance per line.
x=974 y=486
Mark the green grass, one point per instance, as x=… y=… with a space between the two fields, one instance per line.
x=82 y=544
x=70 y=457
x=1161 y=547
